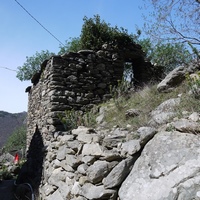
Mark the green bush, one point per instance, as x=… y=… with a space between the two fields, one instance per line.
x=168 y=55
x=17 y=140
x=71 y=119
x=194 y=84
x=96 y=32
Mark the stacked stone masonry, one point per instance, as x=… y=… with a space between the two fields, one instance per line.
x=90 y=164
x=72 y=81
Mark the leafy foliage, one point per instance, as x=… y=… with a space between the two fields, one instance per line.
x=168 y=55
x=32 y=65
x=71 y=45
x=96 y=32
x=17 y=140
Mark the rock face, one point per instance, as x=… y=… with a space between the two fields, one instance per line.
x=168 y=168
x=176 y=77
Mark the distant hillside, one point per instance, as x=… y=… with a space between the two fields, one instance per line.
x=8 y=123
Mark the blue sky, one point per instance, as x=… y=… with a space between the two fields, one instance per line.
x=21 y=36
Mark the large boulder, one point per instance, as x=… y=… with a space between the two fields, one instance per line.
x=175 y=77
x=164 y=112
x=167 y=169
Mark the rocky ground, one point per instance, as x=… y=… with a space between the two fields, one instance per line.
x=159 y=161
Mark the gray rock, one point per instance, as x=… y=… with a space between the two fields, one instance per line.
x=82 y=180
x=88 y=159
x=65 y=166
x=92 y=150
x=82 y=169
x=187 y=126
x=76 y=189
x=74 y=145
x=83 y=130
x=115 y=137
x=6 y=157
x=61 y=153
x=56 y=177
x=48 y=189
x=146 y=134
x=118 y=173
x=56 y=195
x=65 y=190
x=164 y=112
x=110 y=155
x=79 y=198
x=88 y=138
x=73 y=160
x=112 y=141
x=130 y=147
x=167 y=168
x=97 y=171
x=91 y=192
x=174 y=78
x=194 y=117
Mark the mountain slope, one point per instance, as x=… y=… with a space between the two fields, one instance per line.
x=8 y=123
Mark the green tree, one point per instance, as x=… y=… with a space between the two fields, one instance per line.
x=32 y=65
x=17 y=140
x=168 y=55
x=96 y=32
x=71 y=45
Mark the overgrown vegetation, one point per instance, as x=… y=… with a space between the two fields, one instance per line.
x=168 y=55
x=96 y=32
x=194 y=84
x=71 y=119
x=146 y=100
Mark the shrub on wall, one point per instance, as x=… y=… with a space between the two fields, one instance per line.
x=96 y=32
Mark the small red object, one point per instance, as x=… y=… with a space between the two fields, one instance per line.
x=16 y=159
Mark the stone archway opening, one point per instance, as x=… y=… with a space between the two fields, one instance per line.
x=128 y=74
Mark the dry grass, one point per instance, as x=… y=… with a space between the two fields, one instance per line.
x=146 y=100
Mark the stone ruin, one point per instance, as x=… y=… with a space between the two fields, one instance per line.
x=79 y=81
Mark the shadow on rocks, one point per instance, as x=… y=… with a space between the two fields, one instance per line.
x=29 y=178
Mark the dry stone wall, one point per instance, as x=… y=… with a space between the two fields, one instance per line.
x=73 y=80
x=88 y=164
